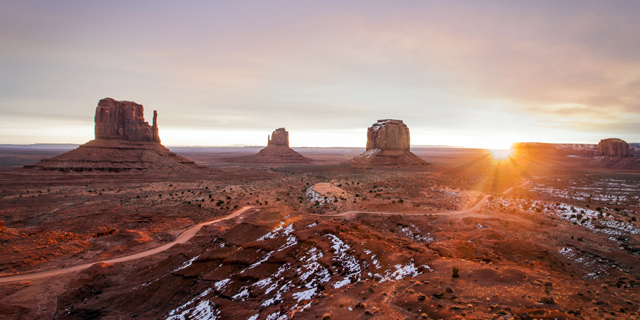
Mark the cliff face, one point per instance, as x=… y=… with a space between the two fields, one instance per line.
x=387 y=135
x=279 y=137
x=388 y=144
x=614 y=148
x=124 y=120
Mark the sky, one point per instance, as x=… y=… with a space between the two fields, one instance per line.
x=461 y=73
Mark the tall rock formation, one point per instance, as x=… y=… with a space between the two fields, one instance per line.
x=276 y=152
x=388 y=144
x=124 y=143
x=388 y=134
x=614 y=147
x=279 y=137
x=124 y=120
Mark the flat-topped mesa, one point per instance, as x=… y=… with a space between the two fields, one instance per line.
x=279 y=137
x=124 y=120
x=388 y=145
x=388 y=134
x=614 y=147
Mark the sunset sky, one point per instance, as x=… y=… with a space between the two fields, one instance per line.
x=463 y=73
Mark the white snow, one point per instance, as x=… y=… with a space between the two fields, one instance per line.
x=349 y=262
x=186 y=263
x=305 y=295
x=221 y=284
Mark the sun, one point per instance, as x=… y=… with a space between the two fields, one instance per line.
x=501 y=154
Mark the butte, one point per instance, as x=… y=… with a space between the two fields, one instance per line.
x=124 y=142
x=614 y=147
x=388 y=144
x=276 y=152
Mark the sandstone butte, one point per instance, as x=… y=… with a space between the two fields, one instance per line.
x=276 y=152
x=124 y=142
x=614 y=147
x=388 y=144
x=124 y=120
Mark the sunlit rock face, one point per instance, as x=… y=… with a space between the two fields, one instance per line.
x=614 y=147
x=279 y=137
x=388 y=134
x=124 y=120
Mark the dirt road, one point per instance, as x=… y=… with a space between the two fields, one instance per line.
x=182 y=238
x=465 y=212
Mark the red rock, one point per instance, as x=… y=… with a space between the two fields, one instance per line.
x=124 y=143
x=124 y=120
x=279 y=137
x=277 y=151
x=388 y=143
x=614 y=148
x=388 y=134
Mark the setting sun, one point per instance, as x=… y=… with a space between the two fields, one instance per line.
x=501 y=154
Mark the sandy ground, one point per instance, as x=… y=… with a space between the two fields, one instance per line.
x=531 y=238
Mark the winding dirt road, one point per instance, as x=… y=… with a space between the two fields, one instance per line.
x=465 y=212
x=182 y=238
x=189 y=233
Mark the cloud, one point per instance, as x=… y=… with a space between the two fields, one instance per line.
x=502 y=66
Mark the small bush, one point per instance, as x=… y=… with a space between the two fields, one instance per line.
x=455 y=273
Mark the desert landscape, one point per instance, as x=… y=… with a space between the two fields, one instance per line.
x=121 y=227
x=322 y=160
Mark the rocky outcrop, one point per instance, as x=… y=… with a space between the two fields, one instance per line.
x=614 y=147
x=276 y=152
x=279 y=137
x=388 y=134
x=117 y=155
x=388 y=144
x=124 y=143
x=124 y=120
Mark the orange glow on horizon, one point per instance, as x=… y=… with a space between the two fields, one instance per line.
x=501 y=154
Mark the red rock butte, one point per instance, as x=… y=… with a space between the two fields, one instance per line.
x=276 y=152
x=124 y=120
x=124 y=142
x=388 y=144
x=614 y=147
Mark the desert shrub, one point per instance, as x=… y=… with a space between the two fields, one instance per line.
x=633 y=219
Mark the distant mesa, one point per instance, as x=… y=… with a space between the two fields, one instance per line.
x=276 y=152
x=124 y=142
x=388 y=144
x=614 y=147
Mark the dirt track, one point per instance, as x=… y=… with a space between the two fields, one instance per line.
x=182 y=238
x=189 y=233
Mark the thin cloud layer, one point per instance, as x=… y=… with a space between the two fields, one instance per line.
x=491 y=72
